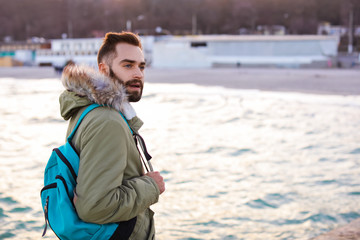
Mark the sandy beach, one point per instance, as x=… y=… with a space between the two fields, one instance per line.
x=317 y=81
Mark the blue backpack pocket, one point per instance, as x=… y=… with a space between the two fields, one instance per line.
x=60 y=213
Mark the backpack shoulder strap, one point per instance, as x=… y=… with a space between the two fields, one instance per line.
x=87 y=110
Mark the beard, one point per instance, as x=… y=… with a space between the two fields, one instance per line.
x=132 y=96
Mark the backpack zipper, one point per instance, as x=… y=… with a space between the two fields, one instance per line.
x=67 y=163
x=52 y=185
x=65 y=185
x=46 y=207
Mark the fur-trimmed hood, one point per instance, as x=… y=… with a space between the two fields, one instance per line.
x=85 y=85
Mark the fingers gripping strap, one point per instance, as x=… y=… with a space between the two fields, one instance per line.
x=87 y=110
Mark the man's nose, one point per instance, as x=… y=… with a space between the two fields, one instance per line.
x=138 y=73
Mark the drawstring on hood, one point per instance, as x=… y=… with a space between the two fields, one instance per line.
x=85 y=82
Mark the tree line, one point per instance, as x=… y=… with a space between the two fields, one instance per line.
x=50 y=19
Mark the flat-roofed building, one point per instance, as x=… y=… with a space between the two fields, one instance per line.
x=20 y=53
x=80 y=50
x=244 y=50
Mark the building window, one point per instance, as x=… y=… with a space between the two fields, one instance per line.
x=198 y=44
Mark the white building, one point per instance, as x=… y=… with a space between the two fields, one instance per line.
x=243 y=50
x=81 y=51
x=204 y=51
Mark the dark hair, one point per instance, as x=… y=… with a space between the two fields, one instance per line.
x=107 y=49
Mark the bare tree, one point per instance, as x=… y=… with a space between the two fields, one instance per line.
x=23 y=19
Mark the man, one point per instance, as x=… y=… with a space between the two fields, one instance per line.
x=111 y=183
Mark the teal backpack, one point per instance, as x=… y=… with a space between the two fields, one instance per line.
x=57 y=197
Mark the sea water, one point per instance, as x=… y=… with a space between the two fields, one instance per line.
x=238 y=164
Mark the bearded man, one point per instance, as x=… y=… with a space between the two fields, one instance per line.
x=112 y=186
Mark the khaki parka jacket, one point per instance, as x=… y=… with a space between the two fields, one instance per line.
x=111 y=186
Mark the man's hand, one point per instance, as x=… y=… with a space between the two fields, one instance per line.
x=158 y=179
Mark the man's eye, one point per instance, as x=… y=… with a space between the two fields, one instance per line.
x=128 y=66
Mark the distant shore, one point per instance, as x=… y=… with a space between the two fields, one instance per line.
x=316 y=81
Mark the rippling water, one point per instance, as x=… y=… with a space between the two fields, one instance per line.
x=238 y=164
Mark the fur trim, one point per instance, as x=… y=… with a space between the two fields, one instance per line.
x=98 y=88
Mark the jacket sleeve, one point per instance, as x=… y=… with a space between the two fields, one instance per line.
x=104 y=195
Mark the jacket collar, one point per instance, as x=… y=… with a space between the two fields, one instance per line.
x=87 y=83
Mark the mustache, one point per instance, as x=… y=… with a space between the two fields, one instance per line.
x=133 y=82
x=128 y=83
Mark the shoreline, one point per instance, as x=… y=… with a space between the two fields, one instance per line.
x=314 y=81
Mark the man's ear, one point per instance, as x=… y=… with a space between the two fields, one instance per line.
x=104 y=69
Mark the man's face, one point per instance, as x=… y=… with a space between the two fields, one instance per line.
x=128 y=68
